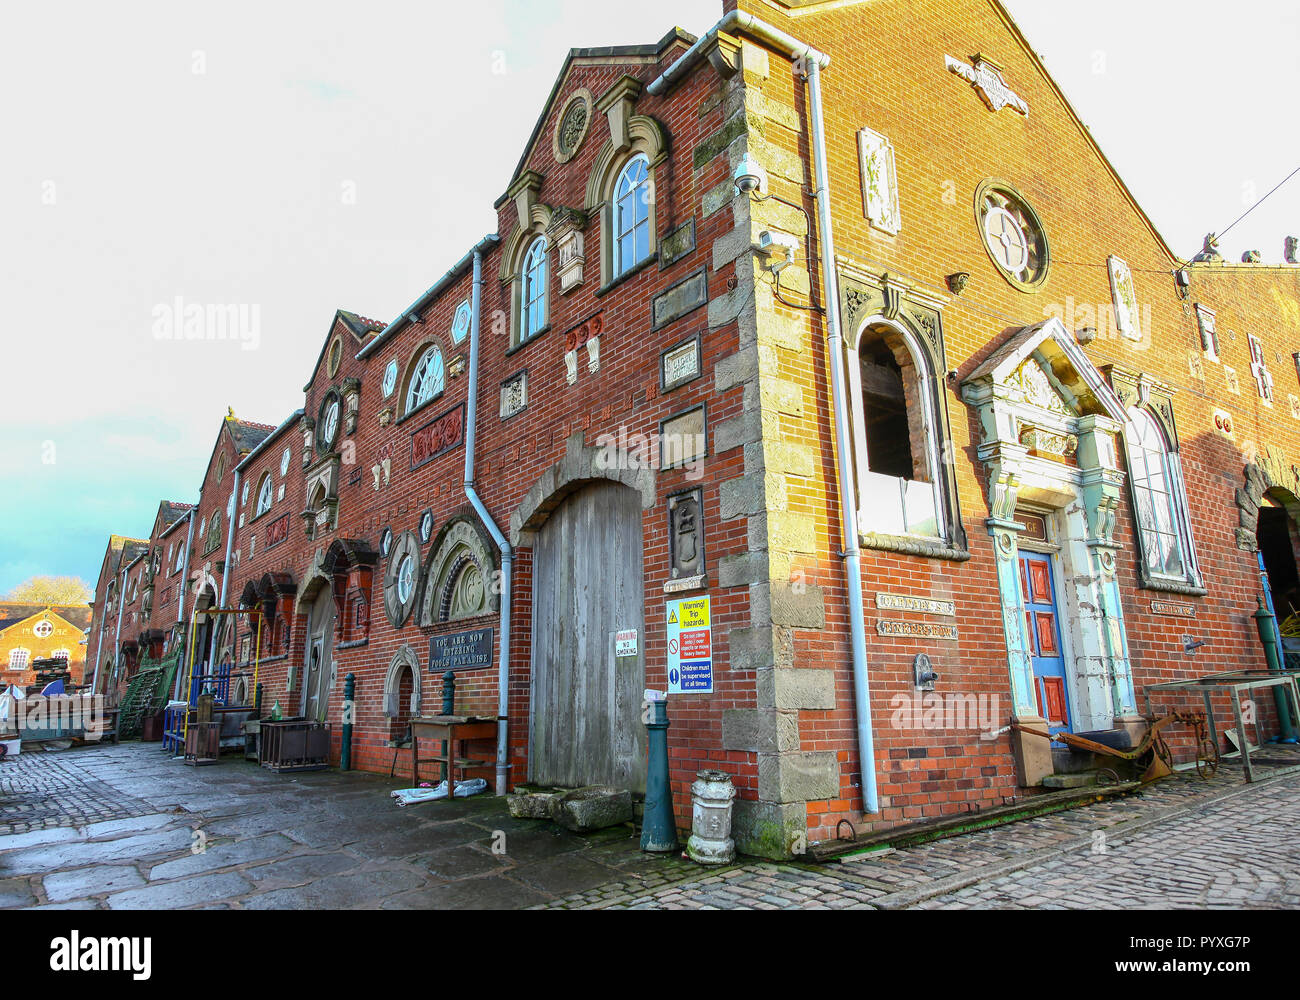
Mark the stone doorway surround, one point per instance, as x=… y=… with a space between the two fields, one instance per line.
x=1049 y=428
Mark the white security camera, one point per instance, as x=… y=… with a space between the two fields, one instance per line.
x=750 y=176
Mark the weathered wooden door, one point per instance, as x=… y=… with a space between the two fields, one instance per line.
x=318 y=670
x=586 y=724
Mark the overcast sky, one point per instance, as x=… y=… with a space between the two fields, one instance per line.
x=300 y=157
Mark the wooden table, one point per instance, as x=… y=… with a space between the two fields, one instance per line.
x=451 y=730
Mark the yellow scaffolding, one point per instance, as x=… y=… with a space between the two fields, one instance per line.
x=189 y=668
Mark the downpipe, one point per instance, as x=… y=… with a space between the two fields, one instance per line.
x=812 y=61
x=507 y=553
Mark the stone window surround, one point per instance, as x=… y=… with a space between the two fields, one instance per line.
x=534 y=221
x=868 y=299
x=1155 y=398
x=409 y=372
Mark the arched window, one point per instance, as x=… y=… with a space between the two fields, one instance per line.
x=265 y=495
x=1159 y=500
x=427 y=379
x=900 y=481
x=533 y=315
x=632 y=215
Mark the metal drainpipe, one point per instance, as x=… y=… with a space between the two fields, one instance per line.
x=180 y=598
x=507 y=554
x=225 y=573
x=117 y=637
x=813 y=61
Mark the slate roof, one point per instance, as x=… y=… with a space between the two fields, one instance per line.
x=11 y=613
x=246 y=434
x=361 y=326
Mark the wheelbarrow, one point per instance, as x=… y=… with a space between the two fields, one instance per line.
x=1161 y=762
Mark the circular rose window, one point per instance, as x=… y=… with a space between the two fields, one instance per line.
x=1013 y=235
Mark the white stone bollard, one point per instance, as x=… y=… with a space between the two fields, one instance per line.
x=712 y=795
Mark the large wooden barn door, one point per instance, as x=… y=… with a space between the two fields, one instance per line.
x=587 y=586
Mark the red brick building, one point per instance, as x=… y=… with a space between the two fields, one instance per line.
x=788 y=381
x=31 y=632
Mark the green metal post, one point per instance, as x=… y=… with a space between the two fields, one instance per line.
x=257 y=701
x=658 y=828
x=448 y=708
x=1268 y=635
x=349 y=709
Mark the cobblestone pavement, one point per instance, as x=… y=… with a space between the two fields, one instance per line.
x=128 y=827
x=1180 y=843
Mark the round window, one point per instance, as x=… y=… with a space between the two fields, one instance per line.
x=43 y=630
x=1013 y=235
x=405 y=579
x=329 y=423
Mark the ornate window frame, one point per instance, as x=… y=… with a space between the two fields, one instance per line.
x=427 y=347
x=631 y=135
x=460 y=548
x=1153 y=399
x=914 y=320
x=398 y=610
x=1008 y=192
x=534 y=304
x=534 y=222
x=265 y=485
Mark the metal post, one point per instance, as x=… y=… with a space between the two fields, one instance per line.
x=1267 y=625
x=257 y=702
x=448 y=708
x=658 y=828
x=349 y=693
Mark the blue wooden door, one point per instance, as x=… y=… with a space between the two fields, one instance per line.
x=1042 y=622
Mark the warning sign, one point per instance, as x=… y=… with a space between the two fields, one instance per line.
x=690 y=647
x=625 y=642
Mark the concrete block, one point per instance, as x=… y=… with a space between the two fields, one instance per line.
x=592 y=808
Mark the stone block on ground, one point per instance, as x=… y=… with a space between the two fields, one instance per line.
x=592 y=808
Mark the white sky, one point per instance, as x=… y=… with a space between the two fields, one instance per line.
x=129 y=179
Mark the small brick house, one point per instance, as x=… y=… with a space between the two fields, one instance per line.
x=31 y=632
x=1058 y=448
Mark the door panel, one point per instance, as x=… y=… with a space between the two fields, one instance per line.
x=587 y=585
x=1043 y=631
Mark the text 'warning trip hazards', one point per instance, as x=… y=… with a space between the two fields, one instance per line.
x=690 y=647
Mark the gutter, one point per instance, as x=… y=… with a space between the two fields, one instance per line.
x=507 y=554
x=295 y=416
x=434 y=290
x=811 y=62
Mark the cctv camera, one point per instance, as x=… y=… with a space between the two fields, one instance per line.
x=749 y=176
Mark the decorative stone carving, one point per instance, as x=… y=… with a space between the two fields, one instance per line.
x=1252 y=257
x=957 y=282
x=460 y=574
x=572 y=125
x=686 y=535
x=879 y=181
x=1272 y=471
x=564 y=234
x=1209 y=251
x=986 y=77
x=1124 y=293
x=1291 y=250
x=514 y=395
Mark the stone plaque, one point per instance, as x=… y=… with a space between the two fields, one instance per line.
x=1171 y=610
x=684 y=297
x=921 y=605
x=437 y=437
x=1124 y=293
x=917 y=630
x=680 y=364
x=879 y=181
x=683 y=439
x=677 y=244
x=514 y=395
x=686 y=534
x=460 y=651
x=277 y=531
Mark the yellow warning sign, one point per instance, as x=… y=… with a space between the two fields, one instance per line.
x=695 y=614
x=672 y=617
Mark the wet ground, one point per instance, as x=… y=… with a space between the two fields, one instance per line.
x=128 y=827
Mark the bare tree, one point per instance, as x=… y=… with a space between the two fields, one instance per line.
x=51 y=590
